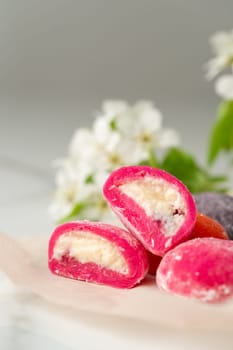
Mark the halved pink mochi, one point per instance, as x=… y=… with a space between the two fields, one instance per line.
x=201 y=268
x=154 y=205
x=98 y=253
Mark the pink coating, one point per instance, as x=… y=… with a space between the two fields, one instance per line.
x=200 y=268
x=129 y=247
x=134 y=217
x=154 y=261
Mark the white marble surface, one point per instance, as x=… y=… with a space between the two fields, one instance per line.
x=26 y=321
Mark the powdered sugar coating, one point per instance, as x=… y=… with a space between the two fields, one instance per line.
x=200 y=268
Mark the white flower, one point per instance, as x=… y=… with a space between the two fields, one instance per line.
x=101 y=148
x=126 y=134
x=222 y=45
x=121 y=135
x=107 y=144
x=104 y=134
x=97 y=148
x=114 y=107
x=71 y=188
x=98 y=208
x=168 y=138
x=224 y=87
x=142 y=126
x=82 y=146
x=115 y=148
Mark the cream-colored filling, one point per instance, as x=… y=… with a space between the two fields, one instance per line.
x=159 y=199
x=88 y=247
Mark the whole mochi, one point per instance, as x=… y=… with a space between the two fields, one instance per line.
x=201 y=268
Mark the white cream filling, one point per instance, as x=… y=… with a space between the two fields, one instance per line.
x=159 y=199
x=88 y=247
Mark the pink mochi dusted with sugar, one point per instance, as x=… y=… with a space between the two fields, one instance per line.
x=201 y=268
x=154 y=205
x=98 y=253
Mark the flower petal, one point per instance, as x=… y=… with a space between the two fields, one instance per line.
x=224 y=87
x=215 y=66
x=81 y=143
x=168 y=138
x=114 y=107
x=219 y=41
x=148 y=117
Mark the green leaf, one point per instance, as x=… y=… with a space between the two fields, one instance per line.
x=77 y=209
x=89 y=179
x=113 y=124
x=221 y=137
x=144 y=162
x=183 y=165
x=153 y=160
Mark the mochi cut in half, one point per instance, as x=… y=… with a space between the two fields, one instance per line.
x=98 y=253
x=154 y=205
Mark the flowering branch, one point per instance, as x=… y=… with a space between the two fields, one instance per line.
x=130 y=135
x=121 y=135
x=221 y=138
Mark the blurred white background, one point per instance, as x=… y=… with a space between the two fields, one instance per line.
x=60 y=59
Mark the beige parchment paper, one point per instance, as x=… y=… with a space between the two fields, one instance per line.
x=25 y=263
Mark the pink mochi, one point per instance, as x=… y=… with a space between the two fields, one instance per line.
x=201 y=268
x=154 y=205
x=98 y=253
